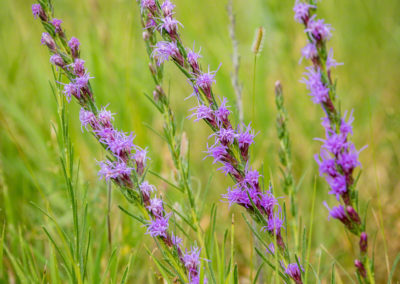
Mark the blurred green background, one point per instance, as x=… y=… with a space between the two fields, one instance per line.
x=366 y=38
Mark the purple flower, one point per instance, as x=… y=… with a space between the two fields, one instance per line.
x=360 y=268
x=326 y=164
x=205 y=80
x=113 y=170
x=318 y=91
x=156 y=207
x=363 y=242
x=57 y=25
x=335 y=143
x=167 y=7
x=57 y=60
x=338 y=185
x=241 y=196
x=245 y=138
x=176 y=241
x=268 y=202
x=302 y=11
x=193 y=58
x=191 y=260
x=336 y=212
x=293 y=271
x=79 y=67
x=158 y=227
x=48 y=41
x=119 y=143
x=271 y=249
x=105 y=117
x=225 y=136
x=81 y=82
x=275 y=223
x=309 y=52
x=227 y=168
x=345 y=127
x=148 y=4
x=218 y=152
x=140 y=158
x=74 y=46
x=37 y=11
x=251 y=177
x=70 y=90
x=222 y=113
x=202 y=112
x=170 y=25
x=349 y=160
x=164 y=50
x=318 y=29
x=146 y=189
x=87 y=118
x=330 y=62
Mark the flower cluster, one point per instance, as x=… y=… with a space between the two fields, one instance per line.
x=338 y=157
x=126 y=165
x=231 y=144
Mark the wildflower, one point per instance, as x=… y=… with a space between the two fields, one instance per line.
x=163 y=51
x=202 y=112
x=114 y=170
x=345 y=127
x=338 y=213
x=48 y=41
x=204 y=82
x=335 y=143
x=105 y=117
x=170 y=25
x=363 y=242
x=360 y=268
x=140 y=158
x=79 y=67
x=191 y=260
x=193 y=58
x=87 y=118
x=146 y=189
x=158 y=227
x=70 y=90
x=275 y=223
x=309 y=52
x=156 y=207
x=318 y=91
x=148 y=4
x=119 y=143
x=226 y=136
x=57 y=25
x=81 y=82
x=167 y=7
x=57 y=60
x=251 y=178
x=326 y=164
x=245 y=138
x=38 y=11
x=218 y=152
x=338 y=185
x=353 y=214
x=271 y=249
x=222 y=113
x=176 y=241
x=318 y=29
x=302 y=12
x=268 y=202
x=348 y=161
x=74 y=46
x=330 y=62
x=293 y=271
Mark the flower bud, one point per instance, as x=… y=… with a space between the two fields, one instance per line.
x=48 y=41
x=360 y=268
x=146 y=35
x=363 y=242
x=57 y=60
x=38 y=11
x=74 y=46
x=353 y=214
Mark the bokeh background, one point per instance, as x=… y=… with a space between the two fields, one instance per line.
x=366 y=39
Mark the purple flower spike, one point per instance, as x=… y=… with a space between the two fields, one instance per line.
x=148 y=4
x=318 y=29
x=226 y=136
x=146 y=189
x=158 y=227
x=338 y=185
x=204 y=82
x=191 y=260
x=293 y=271
x=57 y=60
x=105 y=117
x=57 y=25
x=193 y=58
x=170 y=25
x=70 y=90
x=48 y=41
x=74 y=46
x=245 y=139
x=222 y=113
x=309 y=52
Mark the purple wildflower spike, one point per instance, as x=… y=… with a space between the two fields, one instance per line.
x=226 y=136
x=105 y=117
x=222 y=113
x=245 y=138
x=191 y=260
x=146 y=189
x=309 y=52
x=38 y=11
x=204 y=82
x=193 y=59
x=79 y=67
x=70 y=90
x=170 y=25
x=318 y=91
